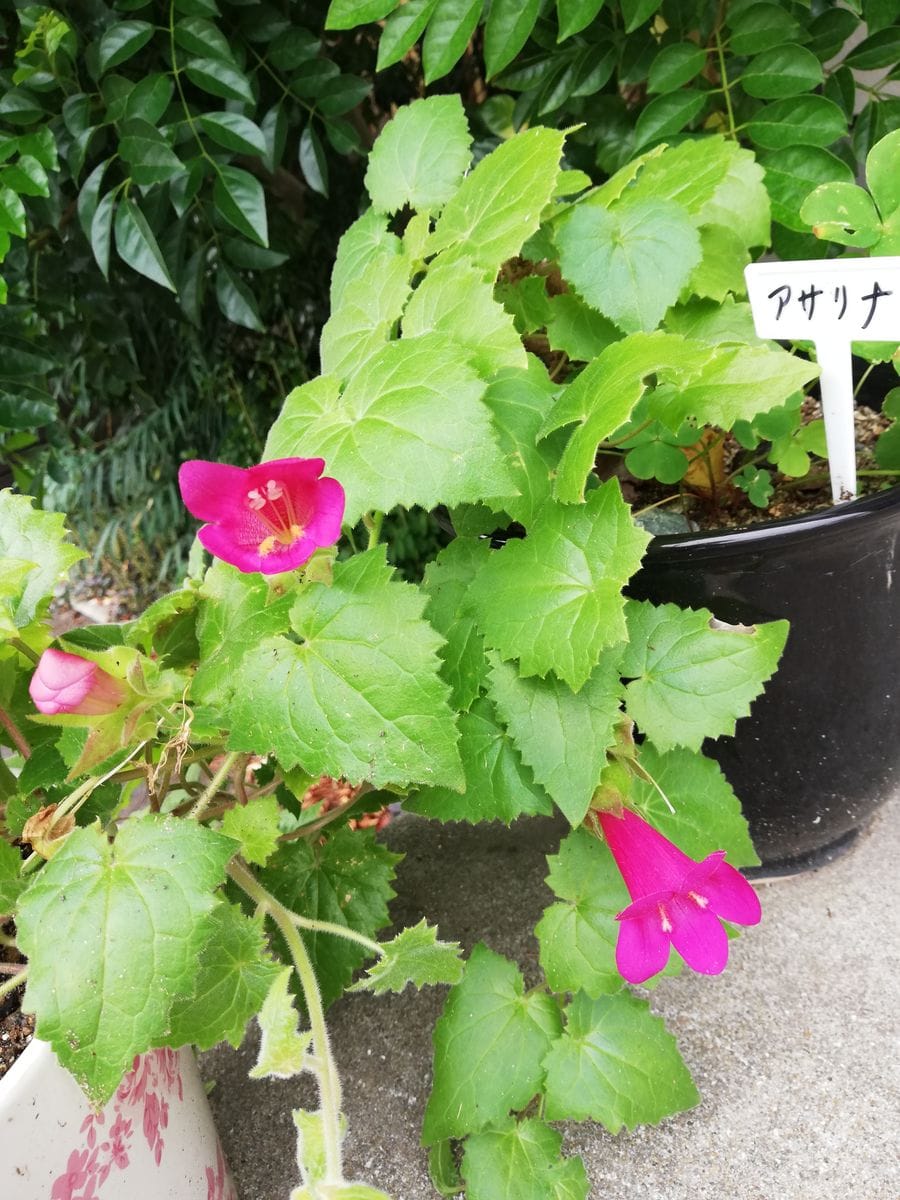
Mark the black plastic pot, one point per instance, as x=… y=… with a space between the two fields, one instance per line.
x=820 y=751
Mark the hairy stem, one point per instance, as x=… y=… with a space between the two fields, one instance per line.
x=18 y=738
x=10 y=985
x=329 y=1082
x=209 y=793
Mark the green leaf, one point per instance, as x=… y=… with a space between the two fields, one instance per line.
x=409 y=429
x=19 y=106
x=500 y=202
x=366 y=318
x=636 y=12
x=341 y=94
x=34 y=536
x=255 y=826
x=27 y=177
x=446 y=584
x=575 y=15
x=882 y=174
x=360 y=696
x=443 y=1170
x=692 y=678
x=236 y=614
x=578 y=330
x=792 y=173
x=451 y=25
x=420 y=156
x=402 y=30
x=240 y=199
x=11 y=882
x=785 y=70
x=843 y=213
x=366 y=240
x=629 y=263
x=880 y=50
x=136 y=244
x=200 y=36
x=283 y=1050
x=489 y=1044
x=759 y=27
x=148 y=154
x=616 y=1064
x=347 y=14
x=121 y=41
x=506 y=31
x=12 y=212
x=798 y=121
x=456 y=300
x=106 y=967
x=233 y=975
x=520 y=402
x=736 y=383
x=602 y=398
x=721 y=270
x=234 y=132
x=561 y=735
x=513 y=1161
x=414 y=956
x=235 y=299
x=313 y=162
x=222 y=79
x=707 y=814
x=578 y=934
x=674 y=66
x=553 y=599
x=88 y=199
x=498 y=786
x=666 y=115
x=345 y=880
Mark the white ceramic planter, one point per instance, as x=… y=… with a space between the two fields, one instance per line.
x=155 y=1140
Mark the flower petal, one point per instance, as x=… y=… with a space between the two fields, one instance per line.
x=213 y=491
x=292 y=472
x=324 y=527
x=729 y=894
x=286 y=558
x=648 y=862
x=642 y=948
x=222 y=543
x=698 y=936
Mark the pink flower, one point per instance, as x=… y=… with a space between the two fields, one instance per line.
x=676 y=900
x=268 y=518
x=65 y=683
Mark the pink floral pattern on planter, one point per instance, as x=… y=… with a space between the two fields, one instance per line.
x=218 y=1185
x=141 y=1101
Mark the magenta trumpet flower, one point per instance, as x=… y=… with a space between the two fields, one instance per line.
x=65 y=683
x=675 y=900
x=268 y=518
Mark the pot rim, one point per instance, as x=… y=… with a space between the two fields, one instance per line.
x=830 y=521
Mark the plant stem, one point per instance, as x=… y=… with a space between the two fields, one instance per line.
x=723 y=73
x=199 y=809
x=18 y=738
x=329 y=1082
x=373 y=524
x=18 y=644
x=11 y=984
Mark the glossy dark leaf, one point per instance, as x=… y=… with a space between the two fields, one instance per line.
x=137 y=246
x=235 y=299
x=101 y=231
x=121 y=41
x=312 y=161
x=508 y=25
x=240 y=200
x=219 y=78
x=233 y=132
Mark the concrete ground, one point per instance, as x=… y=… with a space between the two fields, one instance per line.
x=795 y=1048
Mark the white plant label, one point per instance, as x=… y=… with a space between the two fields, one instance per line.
x=831 y=303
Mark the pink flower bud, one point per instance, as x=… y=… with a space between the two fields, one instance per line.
x=65 y=683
